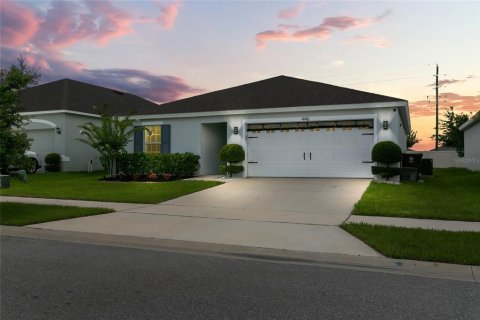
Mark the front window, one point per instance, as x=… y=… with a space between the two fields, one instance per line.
x=153 y=139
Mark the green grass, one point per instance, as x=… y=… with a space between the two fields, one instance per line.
x=418 y=244
x=450 y=194
x=21 y=214
x=86 y=186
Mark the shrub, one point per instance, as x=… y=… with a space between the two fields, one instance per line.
x=232 y=153
x=231 y=169
x=52 y=162
x=386 y=172
x=386 y=152
x=180 y=165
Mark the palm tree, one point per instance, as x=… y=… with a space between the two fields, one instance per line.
x=110 y=138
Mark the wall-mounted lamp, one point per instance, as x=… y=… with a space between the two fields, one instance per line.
x=235 y=130
x=385 y=125
x=58 y=130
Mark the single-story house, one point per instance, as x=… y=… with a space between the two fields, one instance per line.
x=471 y=136
x=288 y=127
x=56 y=109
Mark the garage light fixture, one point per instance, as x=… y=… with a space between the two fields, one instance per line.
x=385 y=125
x=58 y=130
x=235 y=130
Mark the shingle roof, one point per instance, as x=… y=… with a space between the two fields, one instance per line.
x=473 y=120
x=277 y=92
x=67 y=94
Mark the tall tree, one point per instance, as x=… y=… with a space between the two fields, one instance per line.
x=14 y=142
x=109 y=138
x=451 y=136
x=412 y=139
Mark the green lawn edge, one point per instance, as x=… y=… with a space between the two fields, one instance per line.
x=419 y=244
x=21 y=214
x=88 y=186
x=450 y=194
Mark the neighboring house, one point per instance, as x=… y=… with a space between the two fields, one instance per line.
x=56 y=109
x=471 y=130
x=289 y=127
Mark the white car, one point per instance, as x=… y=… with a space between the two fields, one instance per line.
x=35 y=161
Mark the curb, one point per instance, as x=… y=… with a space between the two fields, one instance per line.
x=360 y=263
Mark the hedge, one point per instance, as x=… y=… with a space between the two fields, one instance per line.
x=52 y=162
x=180 y=165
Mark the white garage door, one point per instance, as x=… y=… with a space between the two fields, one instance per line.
x=43 y=141
x=313 y=149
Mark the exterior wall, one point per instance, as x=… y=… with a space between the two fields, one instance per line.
x=471 y=160
x=442 y=159
x=75 y=154
x=78 y=154
x=188 y=134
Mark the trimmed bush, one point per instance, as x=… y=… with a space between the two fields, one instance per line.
x=232 y=153
x=231 y=169
x=179 y=165
x=387 y=152
x=52 y=162
x=386 y=172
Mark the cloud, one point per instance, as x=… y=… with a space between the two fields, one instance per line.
x=322 y=31
x=337 y=63
x=67 y=23
x=168 y=14
x=376 y=41
x=291 y=12
x=157 y=88
x=461 y=103
x=18 y=24
x=448 y=81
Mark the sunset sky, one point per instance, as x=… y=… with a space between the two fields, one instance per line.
x=166 y=50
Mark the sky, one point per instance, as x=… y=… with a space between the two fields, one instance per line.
x=167 y=50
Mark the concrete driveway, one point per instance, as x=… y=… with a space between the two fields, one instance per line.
x=280 y=213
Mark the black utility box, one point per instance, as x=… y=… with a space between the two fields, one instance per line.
x=426 y=167
x=411 y=160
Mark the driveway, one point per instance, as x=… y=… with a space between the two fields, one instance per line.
x=281 y=213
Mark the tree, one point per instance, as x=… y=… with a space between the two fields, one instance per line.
x=110 y=138
x=412 y=139
x=451 y=136
x=14 y=142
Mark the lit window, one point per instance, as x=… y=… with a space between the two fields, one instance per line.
x=153 y=139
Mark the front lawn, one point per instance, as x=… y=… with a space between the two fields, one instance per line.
x=450 y=194
x=419 y=244
x=86 y=186
x=21 y=214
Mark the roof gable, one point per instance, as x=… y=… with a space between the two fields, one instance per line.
x=67 y=94
x=277 y=92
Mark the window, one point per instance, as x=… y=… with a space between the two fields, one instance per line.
x=153 y=139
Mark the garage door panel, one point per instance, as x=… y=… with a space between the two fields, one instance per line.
x=332 y=152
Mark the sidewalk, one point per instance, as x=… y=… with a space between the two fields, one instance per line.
x=417 y=223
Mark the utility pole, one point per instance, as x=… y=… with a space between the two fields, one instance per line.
x=436 y=110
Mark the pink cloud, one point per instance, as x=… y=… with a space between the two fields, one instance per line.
x=168 y=14
x=322 y=31
x=376 y=41
x=461 y=103
x=291 y=12
x=67 y=23
x=18 y=24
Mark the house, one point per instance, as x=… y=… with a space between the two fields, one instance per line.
x=289 y=127
x=471 y=130
x=56 y=109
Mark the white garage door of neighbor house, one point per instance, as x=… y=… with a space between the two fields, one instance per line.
x=310 y=149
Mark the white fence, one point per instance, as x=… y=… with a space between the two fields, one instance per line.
x=443 y=159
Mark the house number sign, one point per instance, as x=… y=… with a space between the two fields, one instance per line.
x=305 y=118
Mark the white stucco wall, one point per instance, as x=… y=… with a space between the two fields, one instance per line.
x=471 y=160
x=46 y=139
x=187 y=135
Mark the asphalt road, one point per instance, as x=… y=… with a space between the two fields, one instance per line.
x=43 y=279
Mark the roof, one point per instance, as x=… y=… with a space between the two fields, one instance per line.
x=277 y=92
x=473 y=120
x=67 y=94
